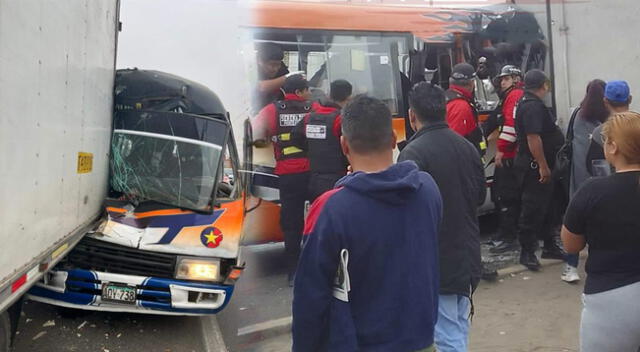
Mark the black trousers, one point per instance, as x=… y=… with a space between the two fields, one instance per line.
x=507 y=190
x=293 y=195
x=537 y=210
x=321 y=183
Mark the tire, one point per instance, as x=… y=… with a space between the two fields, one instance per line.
x=5 y=332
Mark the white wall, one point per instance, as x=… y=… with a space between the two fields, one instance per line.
x=196 y=39
x=592 y=39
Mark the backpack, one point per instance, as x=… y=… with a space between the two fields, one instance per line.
x=562 y=171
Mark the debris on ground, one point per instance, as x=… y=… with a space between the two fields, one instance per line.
x=49 y=323
x=82 y=325
x=39 y=335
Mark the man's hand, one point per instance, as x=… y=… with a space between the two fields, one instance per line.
x=260 y=143
x=498 y=159
x=545 y=174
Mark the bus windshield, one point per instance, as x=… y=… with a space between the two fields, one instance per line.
x=178 y=168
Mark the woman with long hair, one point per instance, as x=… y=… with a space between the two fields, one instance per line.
x=605 y=213
x=591 y=113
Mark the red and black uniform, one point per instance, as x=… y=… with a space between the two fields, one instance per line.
x=462 y=117
x=275 y=122
x=319 y=135
x=506 y=186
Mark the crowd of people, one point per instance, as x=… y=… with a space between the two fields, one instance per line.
x=391 y=251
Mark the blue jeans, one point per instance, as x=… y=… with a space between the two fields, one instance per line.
x=573 y=259
x=452 y=328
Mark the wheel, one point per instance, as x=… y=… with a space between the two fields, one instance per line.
x=5 y=332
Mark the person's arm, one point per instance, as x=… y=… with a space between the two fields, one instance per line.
x=460 y=117
x=535 y=146
x=263 y=126
x=572 y=242
x=315 y=276
x=270 y=85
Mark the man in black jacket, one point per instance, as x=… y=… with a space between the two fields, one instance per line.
x=456 y=167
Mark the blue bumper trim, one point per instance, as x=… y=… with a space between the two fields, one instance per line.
x=83 y=287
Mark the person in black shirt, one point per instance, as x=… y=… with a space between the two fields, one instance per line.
x=605 y=213
x=539 y=139
x=272 y=73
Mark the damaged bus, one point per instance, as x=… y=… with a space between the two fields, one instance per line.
x=169 y=240
x=383 y=50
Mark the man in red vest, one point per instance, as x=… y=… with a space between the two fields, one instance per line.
x=275 y=122
x=505 y=178
x=319 y=135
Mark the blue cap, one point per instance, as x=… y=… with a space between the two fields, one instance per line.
x=617 y=91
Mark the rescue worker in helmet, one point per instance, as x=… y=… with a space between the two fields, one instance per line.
x=506 y=188
x=319 y=135
x=462 y=115
x=275 y=122
x=272 y=73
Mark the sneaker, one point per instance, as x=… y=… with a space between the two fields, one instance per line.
x=504 y=246
x=553 y=251
x=529 y=260
x=570 y=274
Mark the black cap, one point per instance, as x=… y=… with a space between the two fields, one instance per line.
x=293 y=83
x=268 y=51
x=463 y=72
x=535 y=79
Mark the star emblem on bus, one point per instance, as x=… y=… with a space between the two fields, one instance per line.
x=211 y=237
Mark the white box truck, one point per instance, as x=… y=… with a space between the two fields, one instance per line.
x=57 y=63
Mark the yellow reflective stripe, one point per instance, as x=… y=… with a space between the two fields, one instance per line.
x=483 y=145
x=284 y=137
x=291 y=150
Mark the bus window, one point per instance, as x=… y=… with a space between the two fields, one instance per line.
x=372 y=62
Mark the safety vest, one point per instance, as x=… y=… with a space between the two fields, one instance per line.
x=288 y=113
x=325 y=153
x=476 y=137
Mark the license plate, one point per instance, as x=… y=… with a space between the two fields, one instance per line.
x=118 y=293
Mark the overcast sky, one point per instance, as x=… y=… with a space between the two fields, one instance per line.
x=196 y=39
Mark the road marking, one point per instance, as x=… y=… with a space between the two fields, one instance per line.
x=211 y=334
x=282 y=323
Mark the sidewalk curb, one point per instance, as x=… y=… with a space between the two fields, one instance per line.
x=211 y=335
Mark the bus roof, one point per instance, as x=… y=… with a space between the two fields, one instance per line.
x=427 y=23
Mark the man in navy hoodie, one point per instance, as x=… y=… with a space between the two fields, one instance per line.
x=367 y=278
